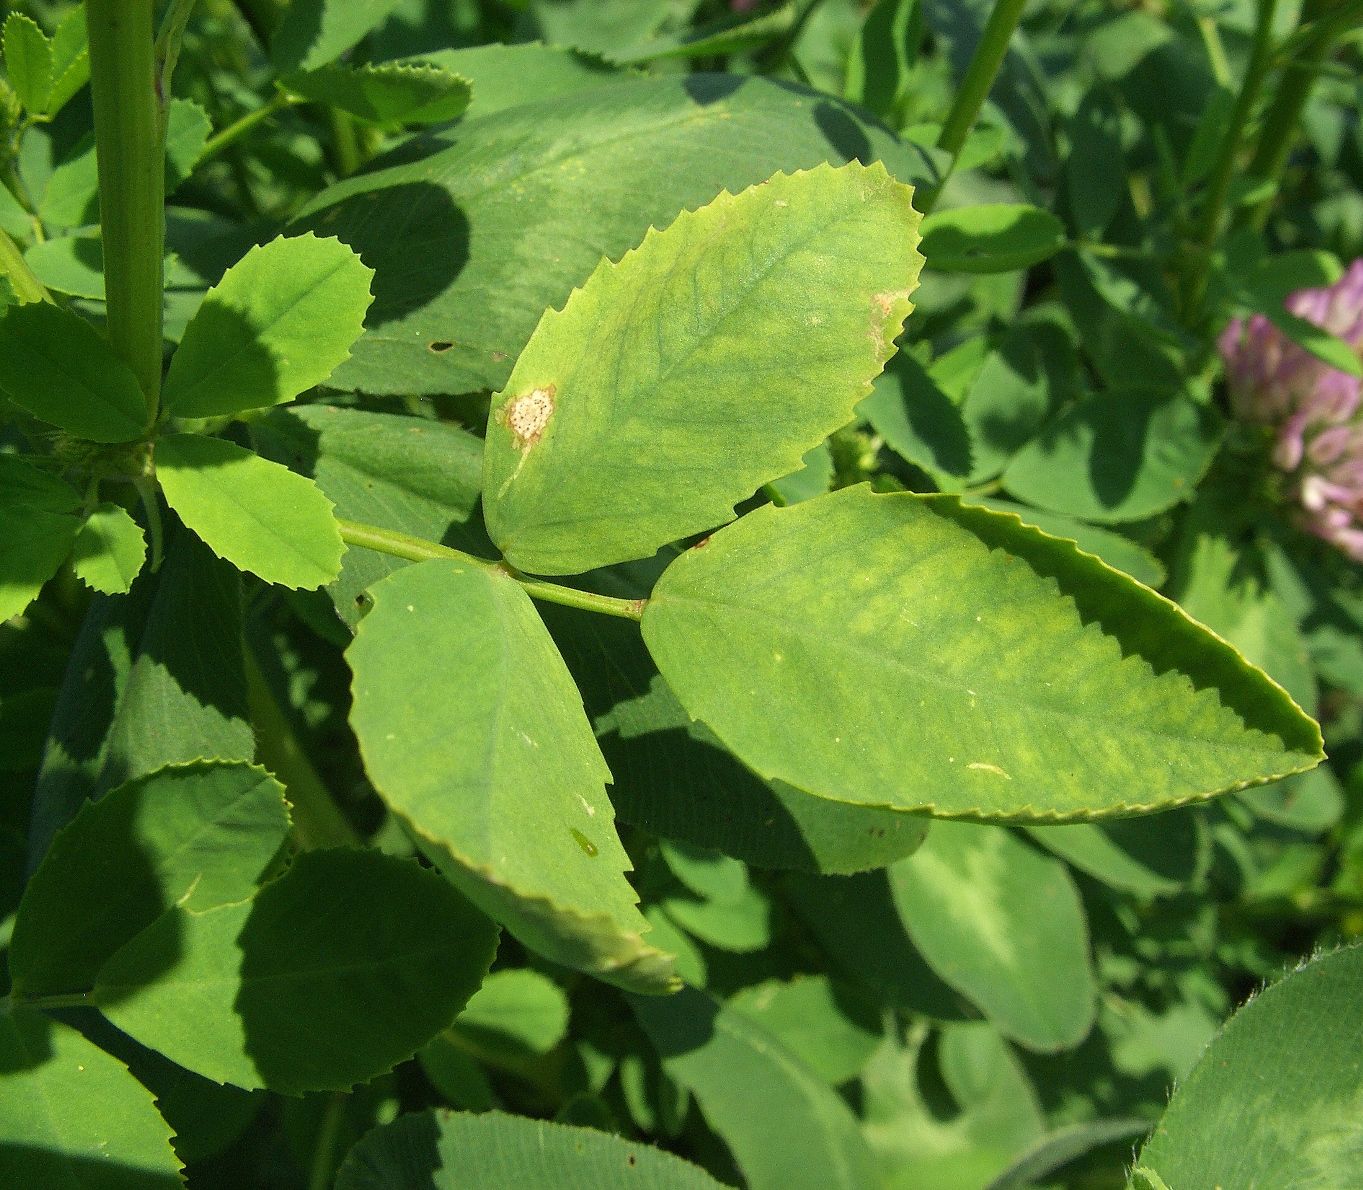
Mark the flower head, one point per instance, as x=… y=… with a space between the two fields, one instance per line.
x=1312 y=408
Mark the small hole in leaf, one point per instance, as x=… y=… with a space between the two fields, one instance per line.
x=440 y=346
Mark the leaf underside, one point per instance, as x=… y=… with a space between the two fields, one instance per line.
x=473 y=733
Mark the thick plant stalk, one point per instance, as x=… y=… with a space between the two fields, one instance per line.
x=975 y=87
x=128 y=144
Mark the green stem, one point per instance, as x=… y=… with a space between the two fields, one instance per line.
x=328 y=1138
x=1216 y=50
x=1294 y=89
x=1223 y=172
x=317 y=821
x=263 y=17
x=146 y=492
x=975 y=87
x=240 y=127
x=418 y=549
x=345 y=142
x=128 y=144
x=43 y=1003
x=167 y=49
x=27 y=287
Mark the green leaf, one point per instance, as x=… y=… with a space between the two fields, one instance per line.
x=255 y=514
x=731 y=34
x=58 y=367
x=443 y=1150
x=28 y=62
x=197 y=836
x=506 y=214
x=918 y=421
x=1121 y=456
x=155 y=678
x=1095 y=171
x=675 y=779
x=23 y=485
x=996 y=238
x=187 y=130
x=804 y=1135
x=389 y=94
x=419 y=477
x=315 y=32
x=883 y=56
x=831 y=1027
x=1017 y=387
x=71 y=264
x=1220 y=579
x=642 y=367
x=109 y=550
x=948 y=660
x=460 y=1080
x=1002 y=924
x=1325 y=346
x=36 y=531
x=346 y=944
x=473 y=733
x=858 y=927
x=814 y=478
x=955 y=1122
x=1276 y=1097
x=277 y=324
x=597 y=25
x=1121 y=553
x=70 y=1115
x=71 y=197
x=70 y=59
x=504 y=76
x=1148 y=857
x=1050 y=1153
x=517 y=1013
x=33 y=545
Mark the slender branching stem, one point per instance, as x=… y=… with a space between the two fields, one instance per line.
x=974 y=90
x=317 y=820
x=1213 y=209
x=240 y=127
x=1283 y=119
x=418 y=549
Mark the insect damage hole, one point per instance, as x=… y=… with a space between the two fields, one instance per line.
x=528 y=415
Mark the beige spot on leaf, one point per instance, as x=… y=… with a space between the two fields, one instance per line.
x=882 y=316
x=527 y=416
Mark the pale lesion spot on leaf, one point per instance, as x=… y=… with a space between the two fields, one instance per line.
x=528 y=415
x=886 y=318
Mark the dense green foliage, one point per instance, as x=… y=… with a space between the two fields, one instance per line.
x=681 y=593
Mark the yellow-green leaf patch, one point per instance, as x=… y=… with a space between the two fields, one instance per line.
x=705 y=363
x=909 y=651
